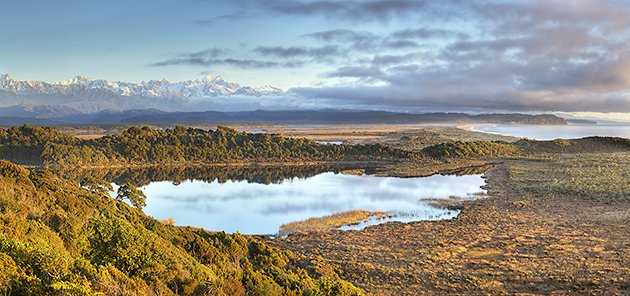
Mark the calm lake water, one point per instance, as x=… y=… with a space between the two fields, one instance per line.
x=257 y=208
x=551 y=132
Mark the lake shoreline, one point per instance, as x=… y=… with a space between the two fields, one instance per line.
x=305 y=202
x=214 y=164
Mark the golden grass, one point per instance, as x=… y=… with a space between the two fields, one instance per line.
x=332 y=221
x=91 y=137
x=169 y=221
x=552 y=224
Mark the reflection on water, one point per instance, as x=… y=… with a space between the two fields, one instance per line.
x=552 y=132
x=428 y=215
x=254 y=208
x=253 y=174
x=257 y=200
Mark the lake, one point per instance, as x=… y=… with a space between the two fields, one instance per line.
x=250 y=207
x=551 y=132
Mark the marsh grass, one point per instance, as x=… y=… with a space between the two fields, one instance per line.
x=444 y=203
x=601 y=177
x=554 y=223
x=333 y=221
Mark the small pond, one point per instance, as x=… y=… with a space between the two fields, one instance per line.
x=249 y=207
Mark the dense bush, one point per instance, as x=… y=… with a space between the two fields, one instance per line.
x=480 y=149
x=25 y=144
x=584 y=145
x=472 y=149
x=57 y=237
x=179 y=145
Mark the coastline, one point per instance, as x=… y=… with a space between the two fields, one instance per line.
x=472 y=127
x=549 y=132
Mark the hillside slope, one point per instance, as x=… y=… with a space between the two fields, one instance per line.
x=57 y=238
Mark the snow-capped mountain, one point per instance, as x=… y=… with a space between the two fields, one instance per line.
x=88 y=95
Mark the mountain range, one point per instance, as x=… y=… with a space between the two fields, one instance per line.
x=82 y=100
x=85 y=95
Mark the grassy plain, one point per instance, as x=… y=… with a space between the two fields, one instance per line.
x=554 y=223
x=411 y=137
x=550 y=226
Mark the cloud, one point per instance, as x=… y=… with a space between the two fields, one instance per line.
x=234 y=16
x=317 y=53
x=548 y=55
x=525 y=56
x=240 y=63
x=354 y=40
x=381 y=10
x=388 y=60
x=401 y=44
x=426 y=33
x=341 y=35
x=411 y=99
x=356 y=71
x=213 y=57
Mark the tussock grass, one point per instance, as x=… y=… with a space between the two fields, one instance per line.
x=599 y=177
x=332 y=221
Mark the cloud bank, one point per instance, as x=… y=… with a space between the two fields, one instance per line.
x=545 y=55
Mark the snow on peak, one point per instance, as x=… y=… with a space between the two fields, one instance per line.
x=4 y=77
x=76 y=80
x=209 y=86
x=210 y=79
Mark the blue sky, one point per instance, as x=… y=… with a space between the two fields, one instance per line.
x=544 y=55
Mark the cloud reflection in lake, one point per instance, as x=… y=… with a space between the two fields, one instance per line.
x=254 y=208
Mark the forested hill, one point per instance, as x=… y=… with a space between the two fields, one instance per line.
x=58 y=238
x=180 y=145
x=498 y=149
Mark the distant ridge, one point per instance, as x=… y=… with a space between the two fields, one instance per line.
x=157 y=117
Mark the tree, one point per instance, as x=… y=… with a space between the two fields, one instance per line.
x=133 y=194
x=96 y=185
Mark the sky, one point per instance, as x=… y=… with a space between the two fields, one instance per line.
x=522 y=56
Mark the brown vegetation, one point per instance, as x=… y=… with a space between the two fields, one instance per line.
x=331 y=221
x=550 y=226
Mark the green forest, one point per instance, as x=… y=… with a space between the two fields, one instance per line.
x=58 y=238
x=141 y=146
x=179 y=145
x=524 y=147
